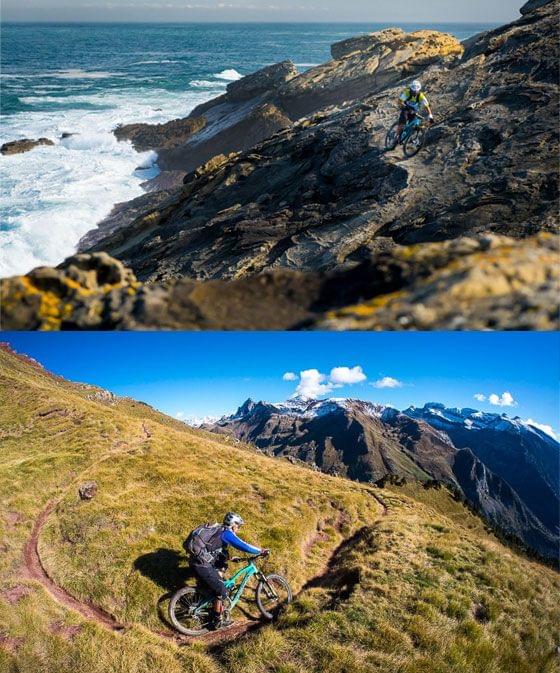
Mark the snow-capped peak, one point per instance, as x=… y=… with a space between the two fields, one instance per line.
x=438 y=415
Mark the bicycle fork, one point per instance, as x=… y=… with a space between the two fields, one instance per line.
x=270 y=593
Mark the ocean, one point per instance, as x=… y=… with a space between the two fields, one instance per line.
x=85 y=79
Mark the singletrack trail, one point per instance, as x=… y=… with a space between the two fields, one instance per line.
x=33 y=569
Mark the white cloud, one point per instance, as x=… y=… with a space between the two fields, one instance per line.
x=180 y=414
x=346 y=375
x=387 y=382
x=503 y=400
x=480 y=397
x=547 y=429
x=314 y=383
x=290 y=376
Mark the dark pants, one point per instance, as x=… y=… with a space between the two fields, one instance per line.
x=406 y=116
x=211 y=579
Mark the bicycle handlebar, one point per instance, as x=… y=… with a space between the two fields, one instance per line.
x=241 y=559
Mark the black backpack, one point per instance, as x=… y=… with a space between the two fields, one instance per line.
x=203 y=543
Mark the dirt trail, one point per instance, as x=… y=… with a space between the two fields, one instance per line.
x=381 y=502
x=34 y=569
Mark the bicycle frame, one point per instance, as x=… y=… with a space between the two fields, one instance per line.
x=244 y=575
x=410 y=126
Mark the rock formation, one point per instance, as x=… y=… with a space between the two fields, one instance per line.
x=24 y=145
x=462 y=236
x=488 y=282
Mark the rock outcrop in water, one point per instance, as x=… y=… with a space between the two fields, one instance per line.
x=25 y=145
x=320 y=204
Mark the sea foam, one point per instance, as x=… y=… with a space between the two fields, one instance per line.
x=229 y=75
x=51 y=196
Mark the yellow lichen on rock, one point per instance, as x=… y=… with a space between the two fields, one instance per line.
x=450 y=282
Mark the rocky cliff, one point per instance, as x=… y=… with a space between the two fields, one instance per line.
x=493 y=282
x=505 y=468
x=321 y=196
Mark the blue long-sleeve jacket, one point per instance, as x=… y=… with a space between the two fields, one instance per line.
x=230 y=538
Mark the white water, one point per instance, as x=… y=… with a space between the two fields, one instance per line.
x=51 y=196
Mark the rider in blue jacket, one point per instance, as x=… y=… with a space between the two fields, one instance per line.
x=210 y=562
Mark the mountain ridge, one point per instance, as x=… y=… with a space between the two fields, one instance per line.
x=505 y=467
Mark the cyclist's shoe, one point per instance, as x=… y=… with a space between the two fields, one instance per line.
x=226 y=622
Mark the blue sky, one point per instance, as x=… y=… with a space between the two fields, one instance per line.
x=479 y=11
x=199 y=374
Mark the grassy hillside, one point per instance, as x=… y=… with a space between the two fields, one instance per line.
x=415 y=586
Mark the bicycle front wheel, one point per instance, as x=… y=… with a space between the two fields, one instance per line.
x=273 y=595
x=414 y=143
x=392 y=139
x=186 y=615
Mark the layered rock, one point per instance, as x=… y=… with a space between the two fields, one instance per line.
x=365 y=65
x=257 y=106
x=261 y=82
x=324 y=193
x=24 y=145
x=159 y=136
x=487 y=282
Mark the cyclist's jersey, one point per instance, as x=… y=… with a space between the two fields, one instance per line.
x=419 y=100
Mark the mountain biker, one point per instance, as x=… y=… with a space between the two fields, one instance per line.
x=411 y=101
x=208 y=556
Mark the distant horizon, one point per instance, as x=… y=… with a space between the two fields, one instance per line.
x=257 y=22
x=259 y=11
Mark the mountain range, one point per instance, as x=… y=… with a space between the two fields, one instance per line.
x=278 y=206
x=506 y=468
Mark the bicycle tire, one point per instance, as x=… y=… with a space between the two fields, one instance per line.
x=391 y=139
x=414 y=143
x=278 y=580
x=173 y=611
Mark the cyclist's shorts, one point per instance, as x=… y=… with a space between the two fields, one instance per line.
x=405 y=117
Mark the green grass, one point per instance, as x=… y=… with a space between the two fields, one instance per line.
x=424 y=588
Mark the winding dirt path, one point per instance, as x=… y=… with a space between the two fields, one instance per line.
x=33 y=569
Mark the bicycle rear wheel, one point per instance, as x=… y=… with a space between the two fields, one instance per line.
x=414 y=143
x=273 y=595
x=186 y=616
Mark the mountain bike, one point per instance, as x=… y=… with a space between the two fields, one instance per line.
x=412 y=136
x=190 y=608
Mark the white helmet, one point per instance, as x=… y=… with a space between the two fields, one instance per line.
x=416 y=86
x=231 y=518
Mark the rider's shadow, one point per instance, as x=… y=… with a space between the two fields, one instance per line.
x=166 y=567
